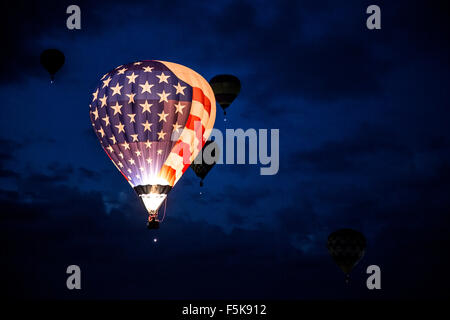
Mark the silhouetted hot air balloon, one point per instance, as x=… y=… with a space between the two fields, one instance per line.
x=346 y=247
x=226 y=88
x=152 y=119
x=52 y=60
x=203 y=163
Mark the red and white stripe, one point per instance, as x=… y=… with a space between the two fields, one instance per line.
x=198 y=126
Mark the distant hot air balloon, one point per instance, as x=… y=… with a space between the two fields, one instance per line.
x=202 y=168
x=152 y=118
x=226 y=88
x=52 y=60
x=346 y=247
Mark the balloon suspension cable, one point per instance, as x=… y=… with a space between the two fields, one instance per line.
x=164 y=214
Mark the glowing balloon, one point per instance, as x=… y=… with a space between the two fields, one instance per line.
x=152 y=118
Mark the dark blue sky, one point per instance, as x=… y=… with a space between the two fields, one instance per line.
x=364 y=143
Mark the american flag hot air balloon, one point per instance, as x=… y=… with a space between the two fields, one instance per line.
x=152 y=118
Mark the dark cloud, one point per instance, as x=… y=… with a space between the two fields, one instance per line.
x=56 y=173
x=43 y=237
x=89 y=174
x=242 y=196
x=235 y=218
x=358 y=151
x=8 y=150
x=5 y=173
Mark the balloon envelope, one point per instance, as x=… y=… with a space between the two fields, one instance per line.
x=152 y=118
x=52 y=60
x=202 y=164
x=226 y=88
x=346 y=247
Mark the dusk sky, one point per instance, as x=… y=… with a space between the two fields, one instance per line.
x=363 y=117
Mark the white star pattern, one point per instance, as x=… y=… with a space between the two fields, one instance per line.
x=122 y=71
x=162 y=116
x=161 y=135
x=132 y=115
x=147 y=126
x=95 y=94
x=120 y=127
x=126 y=145
x=132 y=78
x=163 y=78
x=163 y=96
x=179 y=108
x=176 y=126
x=103 y=100
x=146 y=87
x=131 y=97
x=116 y=89
x=117 y=108
x=101 y=132
x=106 y=119
x=95 y=113
x=179 y=89
x=146 y=106
x=106 y=82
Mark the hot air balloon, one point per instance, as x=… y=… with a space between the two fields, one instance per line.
x=346 y=247
x=152 y=119
x=52 y=60
x=202 y=165
x=226 y=88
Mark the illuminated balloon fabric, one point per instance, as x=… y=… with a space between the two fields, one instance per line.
x=201 y=169
x=152 y=118
x=52 y=60
x=226 y=88
x=346 y=247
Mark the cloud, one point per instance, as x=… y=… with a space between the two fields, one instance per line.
x=61 y=225
x=46 y=225
x=243 y=196
x=89 y=174
x=358 y=152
